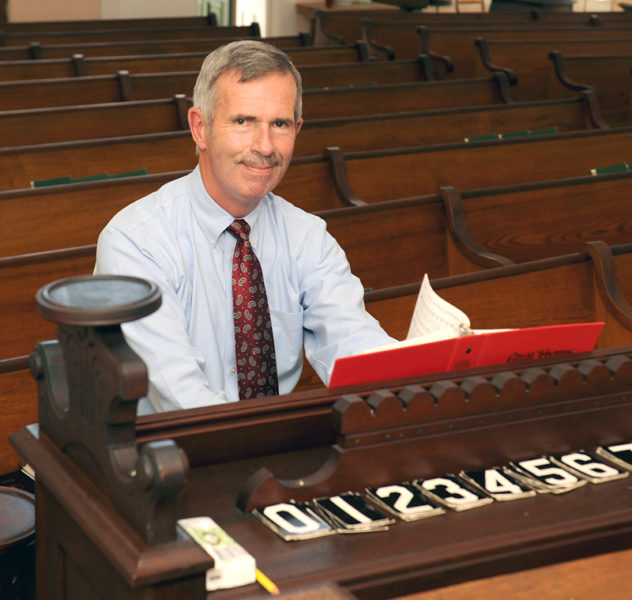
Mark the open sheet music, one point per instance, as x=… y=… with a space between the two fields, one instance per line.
x=433 y=319
x=440 y=338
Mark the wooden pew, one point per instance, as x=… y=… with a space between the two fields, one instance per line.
x=209 y=20
x=399 y=173
x=174 y=150
x=445 y=234
x=609 y=76
x=26 y=274
x=79 y=211
x=449 y=124
x=455 y=53
x=319 y=183
x=507 y=221
x=377 y=225
x=129 y=32
x=36 y=50
x=364 y=98
x=527 y=64
x=538 y=220
x=340 y=28
x=471 y=419
x=72 y=91
x=454 y=47
x=572 y=288
x=88 y=121
x=478 y=229
x=355 y=227
x=590 y=285
x=399 y=97
x=78 y=65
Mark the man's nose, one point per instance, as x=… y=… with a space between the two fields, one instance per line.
x=262 y=140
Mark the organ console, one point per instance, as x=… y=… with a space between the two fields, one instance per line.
x=393 y=468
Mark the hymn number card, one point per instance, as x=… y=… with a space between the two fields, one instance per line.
x=351 y=513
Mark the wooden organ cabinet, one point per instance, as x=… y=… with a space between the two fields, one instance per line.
x=110 y=487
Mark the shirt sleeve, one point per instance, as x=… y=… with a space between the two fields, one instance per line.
x=336 y=321
x=175 y=366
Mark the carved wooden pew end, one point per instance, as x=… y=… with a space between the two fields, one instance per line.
x=89 y=383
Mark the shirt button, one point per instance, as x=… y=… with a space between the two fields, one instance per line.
x=233 y=370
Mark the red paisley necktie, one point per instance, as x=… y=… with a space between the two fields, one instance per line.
x=254 y=343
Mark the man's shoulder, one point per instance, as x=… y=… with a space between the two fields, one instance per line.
x=154 y=207
x=293 y=214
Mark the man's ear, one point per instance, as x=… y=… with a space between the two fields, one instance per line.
x=197 y=126
x=299 y=124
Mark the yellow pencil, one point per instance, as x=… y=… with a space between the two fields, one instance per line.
x=266 y=583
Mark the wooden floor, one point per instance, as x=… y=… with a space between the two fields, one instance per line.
x=603 y=577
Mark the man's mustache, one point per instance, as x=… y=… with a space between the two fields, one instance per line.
x=259 y=160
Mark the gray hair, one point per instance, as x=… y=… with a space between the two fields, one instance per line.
x=251 y=59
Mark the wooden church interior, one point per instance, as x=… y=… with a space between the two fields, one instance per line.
x=489 y=146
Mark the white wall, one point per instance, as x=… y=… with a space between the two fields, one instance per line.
x=283 y=20
x=130 y=9
x=276 y=17
x=53 y=10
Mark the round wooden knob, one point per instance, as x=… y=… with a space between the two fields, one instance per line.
x=17 y=518
x=98 y=300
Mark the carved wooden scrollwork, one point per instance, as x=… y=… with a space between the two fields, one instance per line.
x=89 y=383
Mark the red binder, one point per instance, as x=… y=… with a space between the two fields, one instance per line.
x=481 y=349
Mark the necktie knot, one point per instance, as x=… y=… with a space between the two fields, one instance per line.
x=240 y=229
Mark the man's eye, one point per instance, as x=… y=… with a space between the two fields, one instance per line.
x=281 y=123
x=240 y=121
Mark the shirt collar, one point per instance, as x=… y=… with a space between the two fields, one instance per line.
x=212 y=218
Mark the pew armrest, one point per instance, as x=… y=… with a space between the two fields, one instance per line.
x=372 y=43
x=460 y=234
x=446 y=62
x=489 y=64
x=607 y=282
x=558 y=64
x=339 y=174
x=594 y=112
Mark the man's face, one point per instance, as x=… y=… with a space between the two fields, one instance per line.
x=247 y=148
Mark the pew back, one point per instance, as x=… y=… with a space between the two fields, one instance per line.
x=529 y=65
x=79 y=65
x=92 y=121
x=404 y=40
x=390 y=174
x=174 y=150
x=340 y=27
x=363 y=97
x=517 y=223
x=127 y=32
x=609 y=75
x=567 y=289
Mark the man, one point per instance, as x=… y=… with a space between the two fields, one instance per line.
x=193 y=234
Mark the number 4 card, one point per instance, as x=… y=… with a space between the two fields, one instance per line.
x=497 y=483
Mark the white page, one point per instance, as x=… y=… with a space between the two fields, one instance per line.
x=433 y=314
x=433 y=320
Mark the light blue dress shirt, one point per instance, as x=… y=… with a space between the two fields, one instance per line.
x=176 y=237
